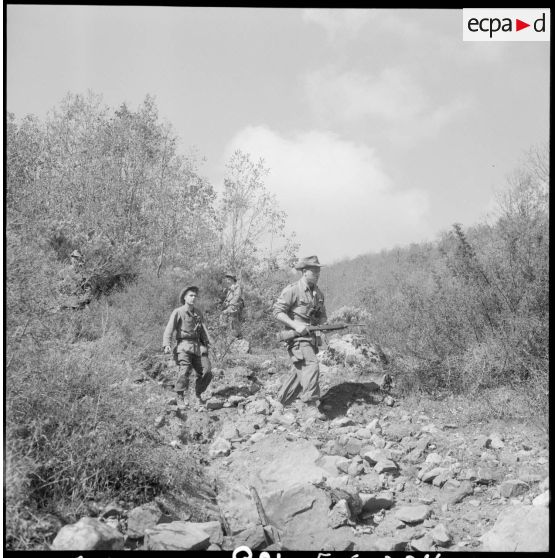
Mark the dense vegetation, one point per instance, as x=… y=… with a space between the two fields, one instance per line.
x=466 y=313
x=470 y=311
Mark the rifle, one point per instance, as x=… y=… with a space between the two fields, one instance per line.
x=290 y=334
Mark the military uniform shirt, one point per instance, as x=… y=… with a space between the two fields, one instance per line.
x=183 y=322
x=297 y=300
x=232 y=301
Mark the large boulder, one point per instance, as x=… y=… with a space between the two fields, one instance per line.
x=142 y=518
x=275 y=478
x=339 y=515
x=253 y=537
x=413 y=514
x=213 y=529
x=301 y=513
x=178 y=535
x=440 y=535
x=513 y=488
x=238 y=381
x=542 y=499
x=519 y=529
x=88 y=534
x=281 y=475
x=354 y=349
x=237 y=506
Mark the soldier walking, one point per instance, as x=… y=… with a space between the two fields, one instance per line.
x=192 y=346
x=299 y=305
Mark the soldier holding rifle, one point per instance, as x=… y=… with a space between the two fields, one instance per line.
x=299 y=306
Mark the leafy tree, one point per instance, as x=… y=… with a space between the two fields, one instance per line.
x=251 y=226
x=109 y=184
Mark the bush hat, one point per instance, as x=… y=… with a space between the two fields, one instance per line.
x=184 y=291
x=310 y=261
x=76 y=254
x=231 y=275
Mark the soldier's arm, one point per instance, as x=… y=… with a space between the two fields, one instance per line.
x=205 y=338
x=322 y=318
x=282 y=306
x=235 y=295
x=167 y=335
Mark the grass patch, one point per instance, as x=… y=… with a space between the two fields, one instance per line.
x=79 y=429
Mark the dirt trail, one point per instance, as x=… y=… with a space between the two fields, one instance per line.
x=381 y=473
x=422 y=481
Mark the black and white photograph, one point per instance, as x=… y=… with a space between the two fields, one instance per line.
x=277 y=279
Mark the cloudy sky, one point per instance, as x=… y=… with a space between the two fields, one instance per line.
x=380 y=127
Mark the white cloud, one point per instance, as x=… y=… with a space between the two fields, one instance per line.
x=337 y=21
x=339 y=200
x=392 y=97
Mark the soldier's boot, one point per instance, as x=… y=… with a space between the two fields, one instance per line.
x=195 y=402
x=314 y=410
x=299 y=406
x=182 y=400
x=199 y=405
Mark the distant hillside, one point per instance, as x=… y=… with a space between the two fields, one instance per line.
x=470 y=310
x=348 y=281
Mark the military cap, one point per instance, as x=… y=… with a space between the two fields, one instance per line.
x=310 y=261
x=184 y=291
x=231 y=275
x=76 y=254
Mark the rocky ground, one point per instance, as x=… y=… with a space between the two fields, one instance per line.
x=380 y=473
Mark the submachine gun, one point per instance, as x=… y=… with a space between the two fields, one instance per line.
x=290 y=334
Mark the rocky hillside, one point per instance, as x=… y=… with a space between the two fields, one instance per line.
x=381 y=473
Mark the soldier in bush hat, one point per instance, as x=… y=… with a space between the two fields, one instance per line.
x=301 y=304
x=192 y=345
x=232 y=305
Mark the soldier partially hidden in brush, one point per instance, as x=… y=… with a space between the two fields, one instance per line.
x=192 y=346
x=232 y=305
x=299 y=306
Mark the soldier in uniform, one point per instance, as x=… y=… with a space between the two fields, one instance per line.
x=192 y=346
x=232 y=305
x=301 y=304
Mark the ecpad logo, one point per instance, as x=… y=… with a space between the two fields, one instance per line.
x=506 y=25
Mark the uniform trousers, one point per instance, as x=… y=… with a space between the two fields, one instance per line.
x=305 y=375
x=187 y=359
x=232 y=321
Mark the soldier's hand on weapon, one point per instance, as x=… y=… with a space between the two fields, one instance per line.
x=300 y=328
x=167 y=349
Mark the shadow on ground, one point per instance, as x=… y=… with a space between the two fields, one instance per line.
x=335 y=402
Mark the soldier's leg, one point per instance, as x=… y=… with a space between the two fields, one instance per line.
x=309 y=374
x=202 y=366
x=235 y=325
x=223 y=320
x=184 y=361
x=291 y=386
x=290 y=389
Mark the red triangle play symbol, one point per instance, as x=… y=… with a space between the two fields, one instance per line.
x=519 y=25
